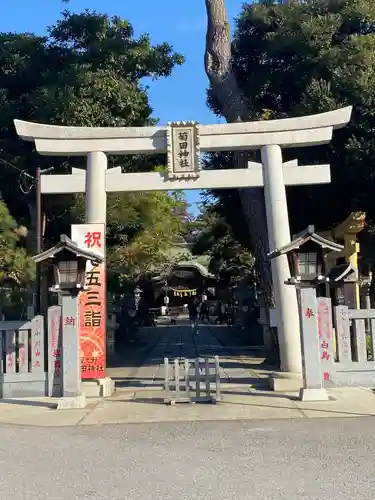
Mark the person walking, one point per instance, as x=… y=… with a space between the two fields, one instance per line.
x=193 y=308
x=204 y=312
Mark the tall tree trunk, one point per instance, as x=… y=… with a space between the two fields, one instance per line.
x=236 y=107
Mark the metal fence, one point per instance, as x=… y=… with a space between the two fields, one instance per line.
x=22 y=358
x=192 y=381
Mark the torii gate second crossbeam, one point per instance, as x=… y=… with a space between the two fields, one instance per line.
x=116 y=181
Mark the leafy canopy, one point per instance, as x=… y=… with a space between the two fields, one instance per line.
x=16 y=267
x=228 y=259
x=296 y=58
x=155 y=221
x=86 y=72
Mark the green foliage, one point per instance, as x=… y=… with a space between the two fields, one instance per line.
x=86 y=72
x=296 y=58
x=142 y=230
x=227 y=205
x=228 y=259
x=16 y=267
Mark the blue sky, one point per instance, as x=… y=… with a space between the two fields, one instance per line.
x=182 y=24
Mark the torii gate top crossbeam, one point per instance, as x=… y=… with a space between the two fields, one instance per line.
x=288 y=132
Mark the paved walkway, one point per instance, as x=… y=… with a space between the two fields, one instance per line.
x=240 y=366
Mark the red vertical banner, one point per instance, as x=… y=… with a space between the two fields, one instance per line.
x=92 y=303
x=92 y=317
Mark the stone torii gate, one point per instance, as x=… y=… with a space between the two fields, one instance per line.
x=184 y=141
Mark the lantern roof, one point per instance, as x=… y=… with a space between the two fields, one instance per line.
x=343 y=272
x=303 y=237
x=67 y=244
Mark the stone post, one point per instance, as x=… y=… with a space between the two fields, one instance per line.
x=278 y=236
x=311 y=362
x=72 y=396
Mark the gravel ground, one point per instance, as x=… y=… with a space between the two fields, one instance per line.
x=315 y=459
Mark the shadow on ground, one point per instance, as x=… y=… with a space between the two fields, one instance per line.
x=28 y=402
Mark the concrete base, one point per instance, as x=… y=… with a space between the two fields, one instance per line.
x=72 y=402
x=285 y=381
x=98 y=388
x=313 y=395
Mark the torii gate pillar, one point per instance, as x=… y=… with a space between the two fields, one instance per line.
x=278 y=236
x=96 y=194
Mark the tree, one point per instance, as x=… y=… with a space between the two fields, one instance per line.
x=299 y=58
x=228 y=259
x=234 y=106
x=16 y=267
x=86 y=72
x=139 y=248
x=295 y=58
x=227 y=205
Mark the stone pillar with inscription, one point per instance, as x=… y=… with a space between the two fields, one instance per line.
x=72 y=397
x=54 y=329
x=313 y=389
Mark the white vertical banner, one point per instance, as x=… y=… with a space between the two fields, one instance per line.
x=89 y=237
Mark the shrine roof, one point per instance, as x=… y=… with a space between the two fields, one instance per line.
x=203 y=271
x=66 y=243
x=196 y=265
x=303 y=237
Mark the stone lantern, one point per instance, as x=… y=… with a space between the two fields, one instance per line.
x=305 y=255
x=69 y=264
